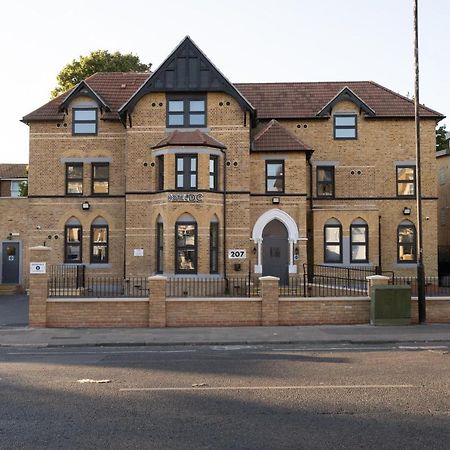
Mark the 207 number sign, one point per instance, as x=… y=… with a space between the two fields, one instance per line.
x=237 y=254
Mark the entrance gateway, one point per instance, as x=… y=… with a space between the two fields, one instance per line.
x=10 y=262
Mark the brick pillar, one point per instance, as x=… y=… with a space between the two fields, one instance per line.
x=376 y=280
x=270 y=296
x=157 y=301
x=37 y=312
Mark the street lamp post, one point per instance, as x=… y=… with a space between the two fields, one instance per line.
x=420 y=265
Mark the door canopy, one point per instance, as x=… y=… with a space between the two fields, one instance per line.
x=277 y=214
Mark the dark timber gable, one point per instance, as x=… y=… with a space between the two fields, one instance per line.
x=187 y=69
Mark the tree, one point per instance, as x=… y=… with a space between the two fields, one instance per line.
x=97 y=61
x=441 y=138
x=23 y=189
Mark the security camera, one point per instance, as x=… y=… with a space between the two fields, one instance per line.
x=38 y=227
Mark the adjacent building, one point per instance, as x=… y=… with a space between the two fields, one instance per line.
x=183 y=172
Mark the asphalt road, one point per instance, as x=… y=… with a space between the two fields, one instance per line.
x=238 y=397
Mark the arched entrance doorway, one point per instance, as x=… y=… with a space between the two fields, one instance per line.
x=275 y=251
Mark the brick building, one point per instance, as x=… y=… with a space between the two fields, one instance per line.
x=183 y=172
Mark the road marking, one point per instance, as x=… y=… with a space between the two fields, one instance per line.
x=314 y=349
x=271 y=388
x=56 y=353
x=435 y=347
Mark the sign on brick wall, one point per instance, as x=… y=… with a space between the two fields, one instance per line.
x=39 y=267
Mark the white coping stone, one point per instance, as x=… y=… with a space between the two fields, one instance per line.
x=95 y=299
x=41 y=247
x=157 y=277
x=269 y=278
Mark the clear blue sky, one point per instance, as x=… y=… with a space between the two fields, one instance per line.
x=249 y=41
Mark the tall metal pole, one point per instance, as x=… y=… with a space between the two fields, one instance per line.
x=420 y=265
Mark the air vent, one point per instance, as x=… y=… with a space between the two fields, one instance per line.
x=123 y=86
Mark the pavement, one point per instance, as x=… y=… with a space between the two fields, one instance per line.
x=14 y=332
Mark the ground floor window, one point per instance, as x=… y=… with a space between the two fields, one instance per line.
x=214 y=247
x=333 y=241
x=359 y=242
x=99 y=241
x=159 y=247
x=186 y=247
x=406 y=242
x=73 y=242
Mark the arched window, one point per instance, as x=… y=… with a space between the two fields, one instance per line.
x=214 y=245
x=99 y=241
x=73 y=241
x=159 y=245
x=186 y=244
x=359 y=241
x=406 y=242
x=332 y=241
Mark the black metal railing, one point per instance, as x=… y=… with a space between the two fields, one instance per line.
x=67 y=276
x=213 y=287
x=296 y=286
x=336 y=281
x=99 y=287
x=434 y=286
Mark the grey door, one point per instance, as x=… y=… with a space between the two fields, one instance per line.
x=10 y=262
x=275 y=251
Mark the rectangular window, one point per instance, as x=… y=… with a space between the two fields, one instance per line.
x=72 y=244
x=325 y=181
x=100 y=178
x=159 y=247
x=213 y=173
x=406 y=244
x=84 y=121
x=186 y=172
x=359 y=243
x=333 y=244
x=214 y=247
x=186 y=247
x=186 y=112
x=160 y=172
x=99 y=244
x=74 y=178
x=275 y=176
x=19 y=188
x=406 y=178
x=345 y=126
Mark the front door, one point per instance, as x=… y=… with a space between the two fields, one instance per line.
x=275 y=251
x=10 y=262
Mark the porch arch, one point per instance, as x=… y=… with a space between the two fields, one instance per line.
x=291 y=227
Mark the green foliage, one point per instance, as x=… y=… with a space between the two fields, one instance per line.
x=23 y=189
x=441 y=141
x=97 y=61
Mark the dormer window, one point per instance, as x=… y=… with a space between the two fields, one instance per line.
x=84 y=121
x=185 y=112
x=345 y=126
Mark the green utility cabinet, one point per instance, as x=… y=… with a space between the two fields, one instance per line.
x=390 y=305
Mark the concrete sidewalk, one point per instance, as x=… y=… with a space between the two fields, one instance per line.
x=325 y=334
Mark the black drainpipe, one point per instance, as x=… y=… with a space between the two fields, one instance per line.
x=380 y=269
x=224 y=214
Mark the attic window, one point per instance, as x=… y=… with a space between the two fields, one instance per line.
x=84 y=121
x=186 y=112
x=345 y=126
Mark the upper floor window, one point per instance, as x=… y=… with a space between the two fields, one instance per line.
x=84 y=121
x=74 y=178
x=333 y=241
x=406 y=178
x=186 y=168
x=213 y=172
x=345 y=126
x=186 y=112
x=325 y=181
x=160 y=173
x=100 y=178
x=274 y=176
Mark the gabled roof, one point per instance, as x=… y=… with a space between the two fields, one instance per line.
x=10 y=171
x=186 y=69
x=84 y=89
x=114 y=88
x=274 y=137
x=305 y=100
x=195 y=138
x=346 y=94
